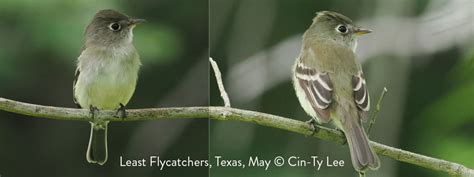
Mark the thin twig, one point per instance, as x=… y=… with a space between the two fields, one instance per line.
x=220 y=84
x=375 y=114
x=217 y=113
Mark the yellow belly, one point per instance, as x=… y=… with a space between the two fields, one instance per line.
x=106 y=83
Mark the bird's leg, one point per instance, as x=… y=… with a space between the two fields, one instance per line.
x=361 y=174
x=93 y=110
x=343 y=134
x=314 y=127
x=121 y=112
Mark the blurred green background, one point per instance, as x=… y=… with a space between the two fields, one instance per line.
x=39 y=44
x=421 y=50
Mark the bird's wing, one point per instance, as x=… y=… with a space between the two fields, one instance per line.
x=361 y=95
x=317 y=87
x=76 y=76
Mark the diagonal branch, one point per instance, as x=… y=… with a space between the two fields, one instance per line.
x=225 y=114
x=220 y=84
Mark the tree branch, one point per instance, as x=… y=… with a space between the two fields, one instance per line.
x=61 y=113
x=231 y=114
x=220 y=84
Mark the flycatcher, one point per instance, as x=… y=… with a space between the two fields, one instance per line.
x=106 y=74
x=330 y=85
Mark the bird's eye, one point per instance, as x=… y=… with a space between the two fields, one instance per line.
x=114 y=26
x=342 y=29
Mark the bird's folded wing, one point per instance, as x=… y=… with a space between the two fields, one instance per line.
x=76 y=76
x=317 y=87
x=361 y=95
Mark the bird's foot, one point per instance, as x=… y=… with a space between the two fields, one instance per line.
x=93 y=111
x=343 y=134
x=313 y=126
x=121 y=112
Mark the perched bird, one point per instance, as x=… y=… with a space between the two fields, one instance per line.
x=106 y=74
x=330 y=85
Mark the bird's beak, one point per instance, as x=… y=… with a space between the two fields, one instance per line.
x=361 y=31
x=135 y=21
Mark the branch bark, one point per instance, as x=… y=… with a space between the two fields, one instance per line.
x=220 y=84
x=230 y=114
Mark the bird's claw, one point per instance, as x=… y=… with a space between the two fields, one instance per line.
x=121 y=112
x=93 y=110
x=312 y=125
x=344 y=135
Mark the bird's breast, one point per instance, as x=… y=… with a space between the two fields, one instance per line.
x=106 y=79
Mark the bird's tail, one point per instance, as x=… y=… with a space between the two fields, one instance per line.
x=362 y=155
x=97 y=149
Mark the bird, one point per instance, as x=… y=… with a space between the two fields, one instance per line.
x=106 y=74
x=330 y=85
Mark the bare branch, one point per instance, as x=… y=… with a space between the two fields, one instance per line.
x=61 y=113
x=220 y=84
x=376 y=111
x=219 y=113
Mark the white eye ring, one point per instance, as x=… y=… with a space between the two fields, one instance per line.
x=342 y=29
x=114 y=26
